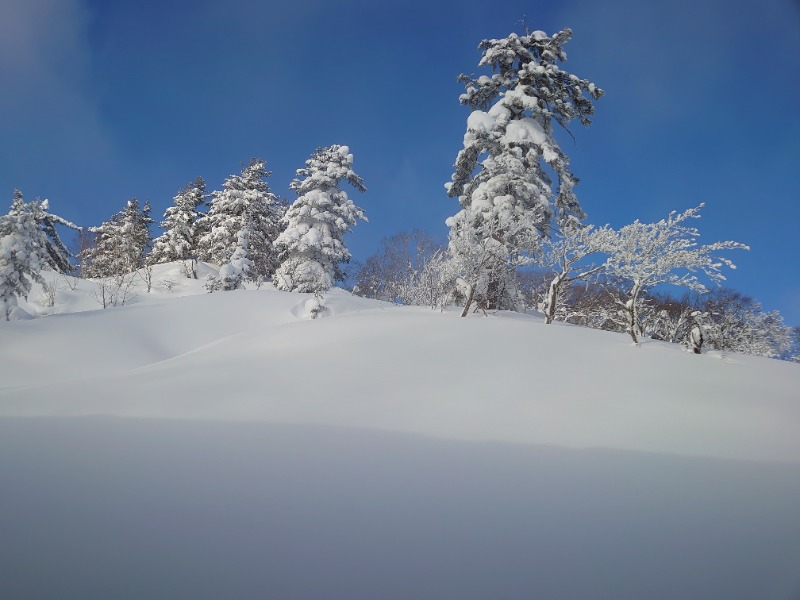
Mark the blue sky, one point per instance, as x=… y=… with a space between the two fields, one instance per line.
x=105 y=100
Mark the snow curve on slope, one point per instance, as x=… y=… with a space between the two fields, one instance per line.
x=243 y=356
x=222 y=446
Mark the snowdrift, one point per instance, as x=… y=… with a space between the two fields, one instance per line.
x=225 y=445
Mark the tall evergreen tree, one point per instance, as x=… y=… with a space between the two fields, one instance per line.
x=243 y=197
x=23 y=252
x=312 y=247
x=181 y=231
x=121 y=244
x=502 y=175
x=56 y=256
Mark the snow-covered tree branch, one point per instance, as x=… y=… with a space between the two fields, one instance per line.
x=565 y=253
x=666 y=252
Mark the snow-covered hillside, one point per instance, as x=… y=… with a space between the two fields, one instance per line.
x=225 y=445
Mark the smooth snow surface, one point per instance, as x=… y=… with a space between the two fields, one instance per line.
x=224 y=445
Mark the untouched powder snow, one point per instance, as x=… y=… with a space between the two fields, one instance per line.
x=224 y=445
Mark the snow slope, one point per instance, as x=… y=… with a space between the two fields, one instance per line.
x=224 y=445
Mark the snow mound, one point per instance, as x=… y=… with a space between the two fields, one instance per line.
x=224 y=445
x=241 y=356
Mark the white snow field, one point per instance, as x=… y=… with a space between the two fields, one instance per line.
x=193 y=445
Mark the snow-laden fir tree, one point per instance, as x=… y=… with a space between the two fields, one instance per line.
x=121 y=244
x=23 y=252
x=644 y=255
x=503 y=174
x=232 y=274
x=57 y=257
x=181 y=232
x=243 y=195
x=312 y=246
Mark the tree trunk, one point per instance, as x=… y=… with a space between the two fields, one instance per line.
x=696 y=339
x=470 y=298
x=632 y=306
x=551 y=299
x=492 y=295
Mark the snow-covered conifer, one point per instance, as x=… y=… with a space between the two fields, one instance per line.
x=57 y=255
x=23 y=253
x=121 y=244
x=243 y=196
x=312 y=246
x=644 y=255
x=180 y=237
x=232 y=274
x=508 y=204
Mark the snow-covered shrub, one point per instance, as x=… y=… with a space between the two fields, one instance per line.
x=213 y=284
x=49 y=293
x=315 y=306
x=117 y=290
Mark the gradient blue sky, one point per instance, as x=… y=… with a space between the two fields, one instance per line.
x=104 y=100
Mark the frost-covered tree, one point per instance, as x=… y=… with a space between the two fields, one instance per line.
x=674 y=319
x=23 y=252
x=590 y=303
x=645 y=255
x=245 y=196
x=395 y=272
x=793 y=354
x=487 y=275
x=734 y=322
x=57 y=256
x=181 y=232
x=236 y=271
x=565 y=254
x=121 y=244
x=312 y=246
x=504 y=174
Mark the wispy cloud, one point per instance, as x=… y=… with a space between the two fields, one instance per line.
x=48 y=105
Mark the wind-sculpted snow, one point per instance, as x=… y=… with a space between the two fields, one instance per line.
x=225 y=445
